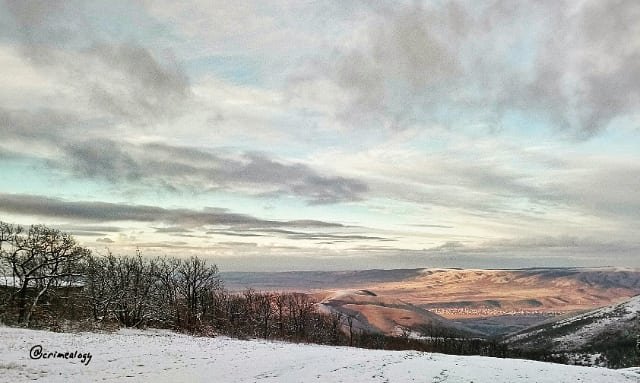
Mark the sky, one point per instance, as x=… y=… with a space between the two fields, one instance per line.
x=327 y=135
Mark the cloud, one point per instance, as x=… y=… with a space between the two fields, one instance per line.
x=112 y=212
x=89 y=228
x=134 y=84
x=172 y=229
x=572 y=66
x=40 y=24
x=238 y=244
x=431 y=226
x=299 y=235
x=122 y=80
x=602 y=187
x=181 y=168
x=44 y=126
x=495 y=188
x=449 y=246
x=234 y=234
x=403 y=49
x=59 y=139
x=587 y=73
x=338 y=237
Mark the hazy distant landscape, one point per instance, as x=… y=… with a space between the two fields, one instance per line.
x=537 y=289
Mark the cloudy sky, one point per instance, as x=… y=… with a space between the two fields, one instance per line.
x=287 y=134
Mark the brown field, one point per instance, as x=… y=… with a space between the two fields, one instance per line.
x=456 y=293
x=471 y=293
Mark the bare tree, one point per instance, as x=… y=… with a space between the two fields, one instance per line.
x=280 y=310
x=300 y=308
x=100 y=287
x=39 y=258
x=196 y=279
x=264 y=312
x=350 y=324
x=135 y=277
x=167 y=307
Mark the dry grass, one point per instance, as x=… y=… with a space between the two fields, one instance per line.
x=513 y=291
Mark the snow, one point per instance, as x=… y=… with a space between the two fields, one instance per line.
x=164 y=356
x=9 y=281
x=604 y=319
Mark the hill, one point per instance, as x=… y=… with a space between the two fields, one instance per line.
x=493 y=302
x=606 y=336
x=464 y=293
x=387 y=315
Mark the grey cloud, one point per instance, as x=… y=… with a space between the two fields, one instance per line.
x=280 y=231
x=85 y=233
x=172 y=229
x=431 y=226
x=241 y=244
x=587 y=66
x=234 y=234
x=521 y=190
x=577 y=67
x=104 y=240
x=41 y=24
x=44 y=126
x=151 y=89
x=337 y=237
x=102 y=158
x=89 y=228
x=187 y=235
x=170 y=167
x=585 y=71
x=124 y=80
x=448 y=246
x=607 y=190
x=404 y=49
x=109 y=212
x=300 y=235
x=542 y=242
x=177 y=168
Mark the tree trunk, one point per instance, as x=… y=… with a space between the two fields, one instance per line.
x=23 y=300
x=27 y=315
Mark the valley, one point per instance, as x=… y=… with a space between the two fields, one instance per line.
x=493 y=302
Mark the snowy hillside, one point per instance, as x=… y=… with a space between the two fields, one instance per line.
x=606 y=336
x=163 y=356
x=578 y=331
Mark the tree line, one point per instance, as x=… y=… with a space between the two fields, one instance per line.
x=48 y=278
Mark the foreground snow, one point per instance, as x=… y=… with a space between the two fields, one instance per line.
x=163 y=356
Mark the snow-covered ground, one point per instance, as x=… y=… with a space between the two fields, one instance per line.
x=163 y=356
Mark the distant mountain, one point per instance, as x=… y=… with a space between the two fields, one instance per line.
x=390 y=316
x=493 y=302
x=464 y=293
x=304 y=281
x=606 y=336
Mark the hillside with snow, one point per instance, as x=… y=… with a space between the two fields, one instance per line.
x=164 y=356
x=603 y=333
